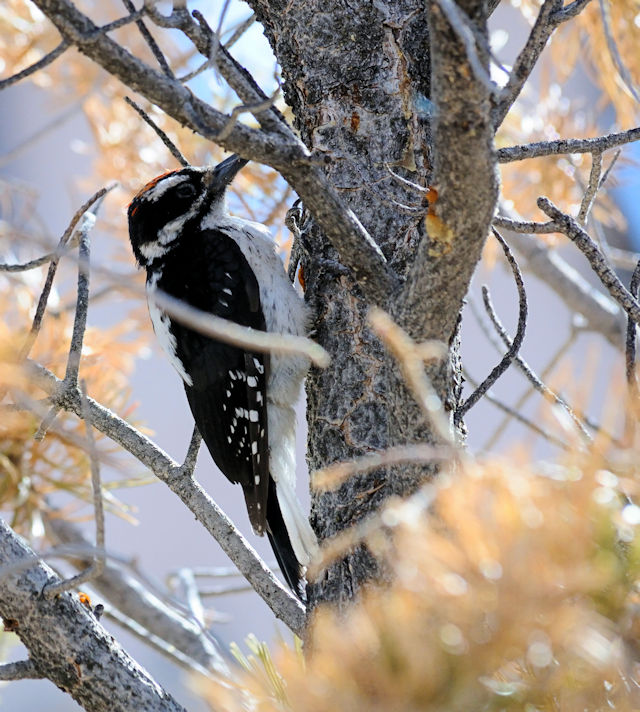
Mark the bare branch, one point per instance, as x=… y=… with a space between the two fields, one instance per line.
x=137 y=602
x=573 y=9
x=32 y=264
x=331 y=477
x=592 y=187
x=567 y=145
x=149 y=39
x=530 y=374
x=36 y=67
x=612 y=46
x=191 y=457
x=601 y=313
x=96 y=567
x=569 y=227
x=512 y=352
x=560 y=351
x=98 y=669
x=516 y=415
x=242 y=336
x=53 y=266
x=284 y=605
x=411 y=357
x=21 y=670
x=526 y=227
x=462 y=26
x=526 y=60
x=173 y=149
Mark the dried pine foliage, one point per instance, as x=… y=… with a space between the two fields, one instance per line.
x=514 y=589
x=30 y=470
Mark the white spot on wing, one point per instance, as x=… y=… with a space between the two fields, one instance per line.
x=253 y=416
x=252 y=381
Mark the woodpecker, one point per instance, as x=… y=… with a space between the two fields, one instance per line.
x=242 y=400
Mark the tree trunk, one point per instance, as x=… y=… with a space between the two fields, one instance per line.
x=357 y=76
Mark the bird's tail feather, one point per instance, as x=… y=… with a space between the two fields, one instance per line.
x=280 y=541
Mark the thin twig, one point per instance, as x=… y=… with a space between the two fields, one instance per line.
x=232 y=333
x=614 y=160
x=331 y=477
x=573 y=9
x=516 y=415
x=255 y=109
x=530 y=374
x=512 y=352
x=569 y=227
x=96 y=568
x=592 y=187
x=551 y=364
x=526 y=227
x=567 y=145
x=186 y=662
x=36 y=67
x=80 y=318
x=630 y=351
x=191 y=595
x=20 y=670
x=53 y=266
x=612 y=46
x=32 y=264
x=191 y=457
x=151 y=43
x=411 y=357
x=526 y=60
x=173 y=149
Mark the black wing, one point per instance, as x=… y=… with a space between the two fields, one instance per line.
x=228 y=391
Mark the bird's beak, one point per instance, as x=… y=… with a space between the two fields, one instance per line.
x=220 y=176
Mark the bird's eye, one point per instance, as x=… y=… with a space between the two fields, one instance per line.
x=186 y=190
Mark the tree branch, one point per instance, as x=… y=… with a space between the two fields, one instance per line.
x=514 y=348
x=285 y=607
x=21 y=670
x=601 y=313
x=464 y=164
x=67 y=644
x=135 y=601
x=567 y=145
x=286 y=154
x=569 y=227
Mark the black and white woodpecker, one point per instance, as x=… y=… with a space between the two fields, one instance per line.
x=242 y=401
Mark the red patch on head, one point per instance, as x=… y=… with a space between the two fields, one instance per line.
x=150 y=185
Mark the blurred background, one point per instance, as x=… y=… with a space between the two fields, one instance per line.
x=66 y=132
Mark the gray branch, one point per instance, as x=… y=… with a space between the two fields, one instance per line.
x=20 y=670
x=286 y=154
x=126 y=593
x=285 y=607
x=567 y=145
x=66 y=643
x=599 y=263
x=464 y=165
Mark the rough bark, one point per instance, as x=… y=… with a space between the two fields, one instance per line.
x=66 y=643
x=358 y=78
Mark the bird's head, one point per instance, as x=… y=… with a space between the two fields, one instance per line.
x=162 y=209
